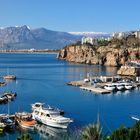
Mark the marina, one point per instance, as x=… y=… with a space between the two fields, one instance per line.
x=105 y=85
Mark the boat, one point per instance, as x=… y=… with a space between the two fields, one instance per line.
x=2 y=83
x=8 y=122
x=3 y=99
x=135 y=118
x=9 y=77
x=25 y=120
x=50 y=117
x=39 y=105
x=109 y=87
x=119 y=86
x=10 y=95
x=128 y=86
x=7 y=119
x=2 y=126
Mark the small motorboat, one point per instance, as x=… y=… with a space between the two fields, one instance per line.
x=109 y=87
x=119 y=86
x=128 y=86
x=3 y=99
x=25 y=120
x=10 y=124
x=2 y=83
x=10 y=95
x=2 y=126
x=9 y=77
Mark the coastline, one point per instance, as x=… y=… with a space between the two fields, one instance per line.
x=29 y=51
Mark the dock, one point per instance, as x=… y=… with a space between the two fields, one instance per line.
x=95 y=89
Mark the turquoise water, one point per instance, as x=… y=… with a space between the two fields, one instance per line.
x=43 y=78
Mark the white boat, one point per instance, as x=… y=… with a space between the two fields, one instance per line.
x=109 y=87
x=135 y=118
x=128 y=86
x=50 y=117
x=119 y=86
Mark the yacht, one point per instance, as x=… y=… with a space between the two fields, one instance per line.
x=109 y=87
x=50 y=117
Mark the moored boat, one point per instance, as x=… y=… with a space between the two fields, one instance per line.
x=128 y=86
x=25 y=120
x=109 y=87
x=8 y=122
x=9 y=77
x=119 y=86
x=2 y=126
x=50 y=117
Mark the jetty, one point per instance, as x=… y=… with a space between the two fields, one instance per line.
x=95 y=89
x=96 y=84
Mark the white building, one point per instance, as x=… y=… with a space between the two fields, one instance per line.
x=137 y=34
x=89 y=40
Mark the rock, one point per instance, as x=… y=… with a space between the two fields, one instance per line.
x=129 y=71
x=104 y=55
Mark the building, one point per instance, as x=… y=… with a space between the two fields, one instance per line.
x=137 y=34
x=89 y=40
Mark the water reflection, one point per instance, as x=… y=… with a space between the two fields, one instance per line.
x=47 y=132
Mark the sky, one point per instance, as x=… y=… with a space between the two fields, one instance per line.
x=72 y=15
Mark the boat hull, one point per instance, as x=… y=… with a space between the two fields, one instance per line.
x=51 y=123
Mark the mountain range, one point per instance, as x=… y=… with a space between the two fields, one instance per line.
x=40 y=38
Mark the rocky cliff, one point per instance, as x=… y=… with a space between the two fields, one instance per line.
x=104 y=55
x=129 y=71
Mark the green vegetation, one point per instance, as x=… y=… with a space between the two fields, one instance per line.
x=25 y=137
x=129 y=41
x=103 y=42
x=92 y=132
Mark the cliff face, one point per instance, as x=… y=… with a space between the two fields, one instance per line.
x=107 y=55
x=129 y=71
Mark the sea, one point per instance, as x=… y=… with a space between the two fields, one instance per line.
x=43 y=78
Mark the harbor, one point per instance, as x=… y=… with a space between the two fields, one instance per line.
x=45 y=83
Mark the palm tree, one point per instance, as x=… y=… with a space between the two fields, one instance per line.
x=92 y=131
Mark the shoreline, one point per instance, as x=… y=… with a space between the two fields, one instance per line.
x=29 y=52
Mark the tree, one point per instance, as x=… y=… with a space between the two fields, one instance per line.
x=92 y=132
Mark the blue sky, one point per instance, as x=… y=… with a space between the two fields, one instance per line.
x=72 y=15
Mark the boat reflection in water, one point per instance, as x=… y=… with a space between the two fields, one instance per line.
x=47 y=132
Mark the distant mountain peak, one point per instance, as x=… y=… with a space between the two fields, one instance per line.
x=23 y=37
